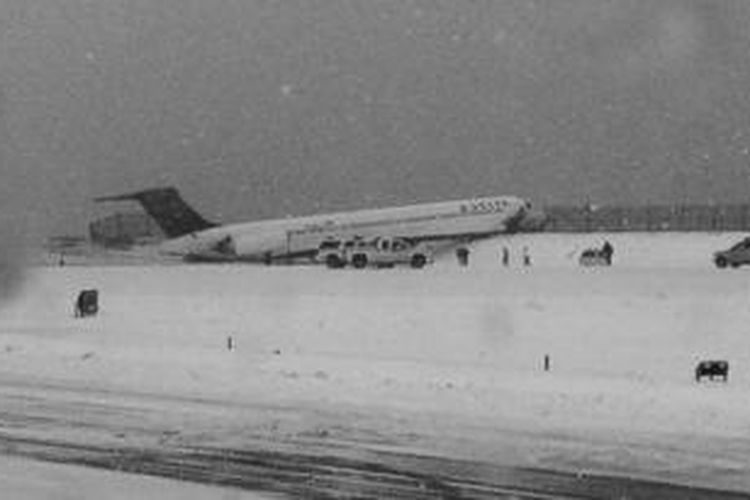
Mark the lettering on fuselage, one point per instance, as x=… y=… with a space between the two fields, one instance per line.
x=319 y=227
x=484 y=206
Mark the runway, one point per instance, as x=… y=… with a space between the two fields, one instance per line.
x=114 y=431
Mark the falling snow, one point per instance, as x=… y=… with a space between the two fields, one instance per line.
x=449 y=92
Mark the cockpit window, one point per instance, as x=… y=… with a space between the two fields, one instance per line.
x=742 y=244
x=330 y=244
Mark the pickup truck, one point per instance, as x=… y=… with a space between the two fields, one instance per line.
x=334 y=252
x=387 y=252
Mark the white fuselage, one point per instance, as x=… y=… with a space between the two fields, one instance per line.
x=300 y=237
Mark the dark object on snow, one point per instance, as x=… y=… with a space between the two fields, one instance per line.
x=735 y=256
x=607 y=251
x=596 y=256
x=462 y=254
x=87 y=303
x=712 y=369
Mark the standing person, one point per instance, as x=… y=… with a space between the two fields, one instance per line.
x=607 y=251
x=526 y=257
x=506 y=256
x=462 y=254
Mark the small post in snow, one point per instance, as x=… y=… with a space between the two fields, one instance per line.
x=230 y=343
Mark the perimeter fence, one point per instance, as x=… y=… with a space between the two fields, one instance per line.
x=614 y=218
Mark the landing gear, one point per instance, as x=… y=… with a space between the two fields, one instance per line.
x=418 y=261
x=334 y=262
x=359 y=261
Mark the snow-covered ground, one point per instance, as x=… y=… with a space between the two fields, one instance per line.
x=670 y=250
x=25 y=479
x=452 y=355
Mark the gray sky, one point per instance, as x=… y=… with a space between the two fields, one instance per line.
x=264 y=108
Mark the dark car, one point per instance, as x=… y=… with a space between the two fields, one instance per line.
x=737 y=255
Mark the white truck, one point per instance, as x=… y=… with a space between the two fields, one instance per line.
x=381 y=251
x=387 y=252
x=335 y=252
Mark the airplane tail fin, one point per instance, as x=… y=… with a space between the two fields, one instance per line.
x=165 y=205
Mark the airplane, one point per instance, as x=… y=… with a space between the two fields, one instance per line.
x=195 y=239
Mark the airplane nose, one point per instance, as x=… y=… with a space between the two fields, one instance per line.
x=537 y=220
x=533 y=220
